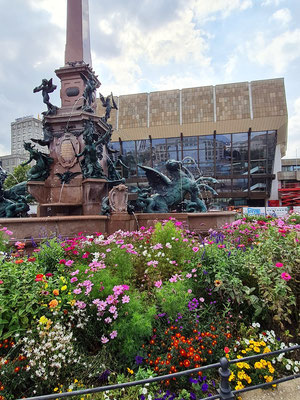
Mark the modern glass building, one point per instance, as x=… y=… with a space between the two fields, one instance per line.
x=236 y=133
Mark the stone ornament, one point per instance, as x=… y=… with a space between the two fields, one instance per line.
x=67 y=148
x=118 y=199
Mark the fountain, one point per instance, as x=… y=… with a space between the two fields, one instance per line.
x=77 y=177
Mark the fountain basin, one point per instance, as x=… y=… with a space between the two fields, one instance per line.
x=39 y=228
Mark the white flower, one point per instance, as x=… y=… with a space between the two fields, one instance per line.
x=144 y=390
x=288 y=367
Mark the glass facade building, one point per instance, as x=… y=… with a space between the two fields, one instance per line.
x=236 y=133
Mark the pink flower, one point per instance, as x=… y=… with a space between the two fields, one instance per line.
x=85 y=255
x=69 y=263
x=286 y=276
x=108 y=250
x=104 y=339
x=74 y=279
x=9 y=233
x=126 y=287
x=125 y=299
x=75 y=272
x=48 y=274
x=1 y=282
x=80 y=304
x=37 y=250
x=201 y=299
x=108 y=320
x=195 y=249
x=77 y=291
x=189 y=291
x=279 y=265
x=113 y=334
x=112 y=309
x=158 y=283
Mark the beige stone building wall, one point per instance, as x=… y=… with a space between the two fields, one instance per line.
x=164 y=108
x=232 y=101
x=228 y=108
x=268 y=98
x=197 y=104
x=133 y=111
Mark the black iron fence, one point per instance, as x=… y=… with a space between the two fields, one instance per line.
x=224 y=391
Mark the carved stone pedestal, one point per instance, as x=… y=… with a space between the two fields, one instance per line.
x=93 y=192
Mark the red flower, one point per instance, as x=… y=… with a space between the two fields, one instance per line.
x=39 y=277
x=226 y=350
x=31 y=259
x=186 y=363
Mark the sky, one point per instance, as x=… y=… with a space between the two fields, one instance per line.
x=148 y=45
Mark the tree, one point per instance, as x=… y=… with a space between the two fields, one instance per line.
x=19 y=175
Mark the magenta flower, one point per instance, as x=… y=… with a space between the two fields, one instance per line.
x=158 y=284
x=286 y=276
x=74 y=279
x=195 y=249
x=69 y=263
x=279 y=265
x=1 y=282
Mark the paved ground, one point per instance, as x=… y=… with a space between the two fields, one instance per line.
x=285 y=391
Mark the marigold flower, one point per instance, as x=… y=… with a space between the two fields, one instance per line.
x=53 y=303
x=55 y=292
x=17 y=369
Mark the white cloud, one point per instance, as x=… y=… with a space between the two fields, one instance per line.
x=294 y=131
x=283 y=16
x=230 y=67
x=271 y=2
x=56 y=9
x=205 y=8
x=278 y=53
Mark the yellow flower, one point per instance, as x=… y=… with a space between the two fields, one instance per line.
x=75 y=380
x=63 y=279
x=130 y=371
x=246 y=365
x=258 y=365
x=232 y=377
x=239 y=356
x=244 y=351
x=267 y=350
x=271 y=370
x=55 y=389
x=241 y=375
x=256 y=349
x=239 y=386
x=63 y=288
x=263 y=344
x=268 y=378
x=46 y=285
x=43 y=320
x=240 y=365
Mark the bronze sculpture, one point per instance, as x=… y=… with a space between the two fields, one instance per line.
x=170 y=191
x=47 y=87
x=41 y=170
x=89 y=92
x=109 y=104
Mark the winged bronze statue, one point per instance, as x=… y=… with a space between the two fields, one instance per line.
x=171 y=191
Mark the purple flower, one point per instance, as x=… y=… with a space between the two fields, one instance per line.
x=139 y=359
x=204 y=387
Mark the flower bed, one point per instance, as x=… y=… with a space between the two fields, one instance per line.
x=92 y=310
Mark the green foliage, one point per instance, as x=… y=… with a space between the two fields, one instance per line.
x=19 y=175
x=51 y=252
x=167 y=298
x=19 y=297
x=139 y=318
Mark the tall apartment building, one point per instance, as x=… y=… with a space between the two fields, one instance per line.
x=235 y=132
x=22 y=130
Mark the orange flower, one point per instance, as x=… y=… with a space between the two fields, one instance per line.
x=186 y=363
x=53 y=303
x=19 y=261
x=55 y=292
x=17 y=369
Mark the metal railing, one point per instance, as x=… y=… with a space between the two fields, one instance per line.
x=224 y=391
